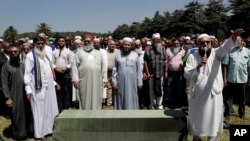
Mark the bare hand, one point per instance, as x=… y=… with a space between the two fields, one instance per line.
x=144 y=76
x=76 y=84
x=9 y=102
x=64 y=69
x=105 y=84
x=115 y=87
x=204 y=59
x=166 y=75
x=29 y=95
x=148 y=76
x=139 y=87
x=58 y=87
x=236 y=33
x=59 y=70
x=225 y=83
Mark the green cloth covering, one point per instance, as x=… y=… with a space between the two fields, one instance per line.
x=120 y=125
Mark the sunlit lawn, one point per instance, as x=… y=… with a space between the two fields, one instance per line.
x=5 y=126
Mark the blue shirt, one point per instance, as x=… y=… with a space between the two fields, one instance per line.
x=238 y=61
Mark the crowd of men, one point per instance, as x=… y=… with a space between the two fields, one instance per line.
x=43 y=76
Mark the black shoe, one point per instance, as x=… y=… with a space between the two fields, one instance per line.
x=227 y=117
x=225 y=125
x=243 y=117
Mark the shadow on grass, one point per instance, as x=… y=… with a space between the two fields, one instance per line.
x=7 y=132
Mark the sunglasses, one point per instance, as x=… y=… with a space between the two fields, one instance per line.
x=86 y=41
x=203 y=42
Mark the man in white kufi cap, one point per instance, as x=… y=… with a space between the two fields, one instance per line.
x=97 y=46
x=203 y=71
x=78 y=37
x=154 y=58
x=130 y=79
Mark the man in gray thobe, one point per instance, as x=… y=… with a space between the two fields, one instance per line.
x=127 y=77
x=12 y=76
x=88 y=75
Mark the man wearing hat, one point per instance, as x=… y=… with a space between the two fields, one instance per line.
x=203 y=69
x=155 y=58
x=88 y=75
x=127 y=77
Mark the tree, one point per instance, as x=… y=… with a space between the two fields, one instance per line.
x=122 y=31
x=134 y=29
x=240 y=17
x=10 y=34
x=217 y=19
x=43 y=28
x=193 y=18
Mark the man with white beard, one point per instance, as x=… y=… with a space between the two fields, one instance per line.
x=88 y=76
x=40 y=89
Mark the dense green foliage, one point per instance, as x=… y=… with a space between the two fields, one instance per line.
x=214 y=18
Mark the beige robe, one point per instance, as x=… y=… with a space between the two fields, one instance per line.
x=88 y=70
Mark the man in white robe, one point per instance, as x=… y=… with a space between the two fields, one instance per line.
x=97 y=46
x=88 y=76
x=40 y=89
x=205 y=115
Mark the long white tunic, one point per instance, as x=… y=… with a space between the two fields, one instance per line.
x=105 y=70
x=205 y=115
x=43 y=101
x=88 y=68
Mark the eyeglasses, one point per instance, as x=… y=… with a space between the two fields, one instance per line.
x=203 y=42
x=86 y=41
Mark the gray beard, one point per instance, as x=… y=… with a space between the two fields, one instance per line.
x=176 y=50
x=40 y=53
x=138 y=51
x=88 y=48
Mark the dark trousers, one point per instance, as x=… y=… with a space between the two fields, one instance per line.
x=237 y=92
x=175 y=95
x=64 y=95
x=143 y=95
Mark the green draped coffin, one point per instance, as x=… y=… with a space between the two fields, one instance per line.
x=120 y=125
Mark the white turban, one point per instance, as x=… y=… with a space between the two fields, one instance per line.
x=127 y=39
x=212 y=37
x=156 y=35
x=97 y=39
x=30 y=41
x=203 y=35
x=149 y=43
x=137 y=41
x=78 y=37
x=187 y=38
x=77 y=41
x=42 y=35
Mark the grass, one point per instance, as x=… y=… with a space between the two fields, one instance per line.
x=5 y=126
